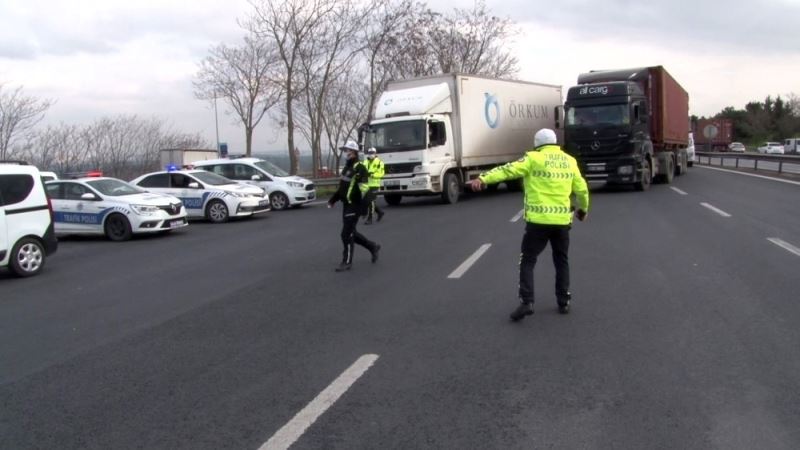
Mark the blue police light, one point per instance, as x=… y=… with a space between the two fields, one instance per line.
x=172 y=167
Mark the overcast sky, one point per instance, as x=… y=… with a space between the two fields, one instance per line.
x=101 y=58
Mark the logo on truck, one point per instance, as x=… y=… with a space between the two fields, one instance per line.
x=491 y=103
x=594 y=90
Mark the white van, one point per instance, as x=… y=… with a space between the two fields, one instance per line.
x=690 y=156
x=284 y=190
x=27 y=236
x=791 y=146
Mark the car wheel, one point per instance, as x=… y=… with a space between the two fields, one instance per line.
x=278 y=201
x=117 y=228
x=393 y=199
x=217 y=211
x=27 y=257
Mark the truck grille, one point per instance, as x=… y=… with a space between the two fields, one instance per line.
x=599 y=146
x=400 y=168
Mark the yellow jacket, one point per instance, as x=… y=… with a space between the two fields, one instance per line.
x=550 y=178
x=376 y=170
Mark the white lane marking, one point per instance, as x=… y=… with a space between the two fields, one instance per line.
x=785 y=245
x=678 y=191
x=295 y=428
x=751 y=175
x=716 y=210
x=518 y=216
x=469 y=262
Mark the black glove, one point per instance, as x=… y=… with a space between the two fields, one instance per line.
x=581 y=214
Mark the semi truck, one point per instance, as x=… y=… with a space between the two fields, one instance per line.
x=628 y=126
x=436 y=133
x=713 y=134
x=182 y=157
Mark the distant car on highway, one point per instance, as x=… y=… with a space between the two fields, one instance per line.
x=206 y=194
x=111 y=207
x=690 y=151
x=771 y=148
x=736 y=147
x=48 y=176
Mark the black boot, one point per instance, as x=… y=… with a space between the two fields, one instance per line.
x=368 y=221
x=380 y=215
x=375 y=253
x=563 y=304
x=524 y=309
x=343 y=267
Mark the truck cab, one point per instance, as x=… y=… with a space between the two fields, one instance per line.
x=606 y=129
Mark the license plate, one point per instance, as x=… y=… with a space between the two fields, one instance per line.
x=595 y=167
x=391 y=183
x=263 y=203
x=175 y=223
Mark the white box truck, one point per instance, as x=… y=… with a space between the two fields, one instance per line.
x=181 y=157
x=436 y=133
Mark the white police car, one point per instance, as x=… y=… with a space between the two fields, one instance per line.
x=206 y=194
x=112 y=207
x=284 y=190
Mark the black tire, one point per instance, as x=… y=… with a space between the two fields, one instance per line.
x=217 y=211
x=450 y=189
x=27 y=257
x=491 y=187
x=644 y=183
x=670 y=172
x=117 y=228
x=279 y=201
x=690 y=163
x=393 y=199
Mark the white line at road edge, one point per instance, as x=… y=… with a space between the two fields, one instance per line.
x=716 y=210
x=785 y=245
x=751 y=175
x=464 y=267
x=678 y=191
x=292 y=431
x=517 y=216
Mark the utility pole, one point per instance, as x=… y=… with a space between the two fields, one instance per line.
x=216 y=119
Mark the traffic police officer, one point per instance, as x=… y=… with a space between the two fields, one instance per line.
x=352 y=190
x=550 y=178
x=375 y=169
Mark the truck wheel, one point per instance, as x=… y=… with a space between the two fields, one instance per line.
x=450 y=190
x=680 y=168
x=27 y=257
x=117 y=228
x=217 y=211
x=644 y=183
x=393 y=199
x=670 y=173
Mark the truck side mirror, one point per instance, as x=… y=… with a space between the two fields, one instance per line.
x=557 y=115
x=636 y=112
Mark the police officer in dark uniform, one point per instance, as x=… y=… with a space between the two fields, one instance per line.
x=353 y=187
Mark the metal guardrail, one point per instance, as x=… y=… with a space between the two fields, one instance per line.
x=784 y=162
x=329 y=181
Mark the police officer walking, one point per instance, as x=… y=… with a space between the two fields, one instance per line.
x=375 y=169
x=352 y=191
x=550 y=178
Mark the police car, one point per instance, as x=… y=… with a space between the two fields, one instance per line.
x=112 y=207
x=206 y=194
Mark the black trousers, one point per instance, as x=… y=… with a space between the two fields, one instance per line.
x=351 y=236
x=535 y=240
x=373 y=207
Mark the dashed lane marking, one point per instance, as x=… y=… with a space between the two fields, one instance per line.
x=679 y=191
x=716 y=210
x=785 y=245
x=464 y=267
x=292 y=431
x=517 y=216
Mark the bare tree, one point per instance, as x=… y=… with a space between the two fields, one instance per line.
x=344 y=110
x=19 y=113
x=241 y=75
x=288 y=24
x=330 y=55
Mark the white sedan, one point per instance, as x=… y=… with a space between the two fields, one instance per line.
x=111 y=207
x=771 y=148
x=206 y=194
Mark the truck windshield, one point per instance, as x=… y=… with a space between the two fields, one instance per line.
x=602 y=115
x=397 y=136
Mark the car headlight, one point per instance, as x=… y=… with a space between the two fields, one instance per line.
x=144 y=210
x=239 y=194
x=294 y=184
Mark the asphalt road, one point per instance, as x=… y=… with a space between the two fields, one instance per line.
x=683 y=332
